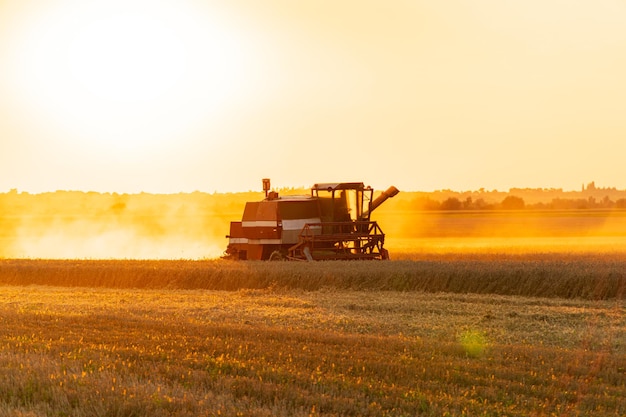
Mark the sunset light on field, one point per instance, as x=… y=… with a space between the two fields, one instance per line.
x=312 y=207
x=164 y=96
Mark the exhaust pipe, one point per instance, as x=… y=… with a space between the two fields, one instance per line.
x=266 y=186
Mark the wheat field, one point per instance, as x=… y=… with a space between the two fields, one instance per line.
x=591 y=276
x=135 y=338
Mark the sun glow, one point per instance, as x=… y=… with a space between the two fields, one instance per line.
x=182 y=95
x=122 y=76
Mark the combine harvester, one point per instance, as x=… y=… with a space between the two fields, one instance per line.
x=332 y=223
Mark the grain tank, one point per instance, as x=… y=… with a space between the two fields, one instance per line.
x=333 y=222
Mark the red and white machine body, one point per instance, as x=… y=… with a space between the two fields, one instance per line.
x=331 y=223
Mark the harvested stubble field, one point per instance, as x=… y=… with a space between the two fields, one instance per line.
x=480 y=334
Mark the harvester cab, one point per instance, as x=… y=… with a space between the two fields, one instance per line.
x=333 y=222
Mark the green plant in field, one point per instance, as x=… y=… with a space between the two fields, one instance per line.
x=473 y=342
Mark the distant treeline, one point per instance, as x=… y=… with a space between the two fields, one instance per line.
x=590 y=197
x=117 y=206
x=512 y=202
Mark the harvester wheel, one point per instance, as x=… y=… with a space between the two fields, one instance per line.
x=276 y=256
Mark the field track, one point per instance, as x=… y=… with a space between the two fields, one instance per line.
x=581 y=275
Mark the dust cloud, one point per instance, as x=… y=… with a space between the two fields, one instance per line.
x=501 y=231
x=77 y=241
x=79 y=225
x=76 y=225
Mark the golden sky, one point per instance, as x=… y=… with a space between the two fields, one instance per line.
x=169 y=96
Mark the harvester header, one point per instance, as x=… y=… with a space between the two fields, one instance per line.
x=333 y=222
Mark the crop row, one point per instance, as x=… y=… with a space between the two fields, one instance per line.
x=541 y=275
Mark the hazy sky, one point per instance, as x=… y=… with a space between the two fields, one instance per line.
x=171 y=96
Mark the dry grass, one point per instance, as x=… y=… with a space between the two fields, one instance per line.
x=129 y=352
x=580 y=275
